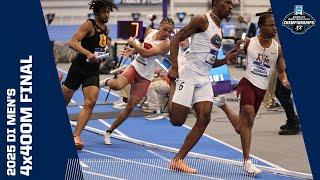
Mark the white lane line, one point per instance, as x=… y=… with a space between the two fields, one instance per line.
x=145 y=164
x=158 y=155
x=239 y=150
x=82 y=164
x=108 y=125
x=102 y=175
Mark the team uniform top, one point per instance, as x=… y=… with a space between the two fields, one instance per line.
x=261 y=62
x=194 y=84
x=204 y=48
x=145 y=66
x=96 y=44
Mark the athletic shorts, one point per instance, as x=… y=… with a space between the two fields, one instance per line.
x=82 y=73
x=139 y=85
x=248 y=94
x=192 y=88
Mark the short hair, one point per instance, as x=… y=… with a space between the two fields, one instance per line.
x=263 y=18
x=97 y=5
x=215 y=1
x=168 y=21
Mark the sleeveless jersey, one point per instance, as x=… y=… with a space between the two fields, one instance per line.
x=145 y=66
x=261 y=62
x=204 y=48
x=95 y=44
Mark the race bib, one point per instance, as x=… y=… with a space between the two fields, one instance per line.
x=260 y=69
x=211 y=57
x=98 y=51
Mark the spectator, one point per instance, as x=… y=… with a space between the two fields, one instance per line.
x=159 y=89
x=252 y=30
x=109 y=64
x=240 y=27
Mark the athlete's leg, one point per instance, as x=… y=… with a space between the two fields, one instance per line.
x=138 y=91
x=90 y=97
x=67 y=94
x=203 y=111
x=118 y=83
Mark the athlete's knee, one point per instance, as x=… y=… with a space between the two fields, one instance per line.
x=116 y=85
x=89 y=103
x=249 y=120
x=176 y=122
x=202 y=122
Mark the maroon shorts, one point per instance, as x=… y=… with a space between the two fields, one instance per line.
x=139 y=85
x=248 y=94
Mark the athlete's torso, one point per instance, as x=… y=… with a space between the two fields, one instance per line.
x=146 y=66
x=204 y=48
x=261 y=62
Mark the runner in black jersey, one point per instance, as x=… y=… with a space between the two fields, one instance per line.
x=89 y=41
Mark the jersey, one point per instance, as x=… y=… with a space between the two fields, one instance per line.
x=204 y=48
x=261 y=62
x=96 y=44
x=146 y=66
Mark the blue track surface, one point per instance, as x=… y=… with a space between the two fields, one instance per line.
x=125 y=160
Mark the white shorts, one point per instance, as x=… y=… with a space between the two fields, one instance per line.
x=191 y=89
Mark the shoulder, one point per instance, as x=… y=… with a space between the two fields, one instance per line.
x=200 y=22
x=201 y=18
x=87 y=25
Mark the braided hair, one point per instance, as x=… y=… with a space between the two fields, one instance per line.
x=97 y=5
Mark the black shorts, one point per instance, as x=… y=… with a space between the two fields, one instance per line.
x=82 y=73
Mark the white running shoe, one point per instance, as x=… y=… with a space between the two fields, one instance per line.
x=107 y=138
x=250 y=168
x=120 y=106
x=220 y=100
x=102 y=82
x=155 y=116
x=117 y=102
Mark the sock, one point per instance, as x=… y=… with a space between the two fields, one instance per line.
x=109 y=131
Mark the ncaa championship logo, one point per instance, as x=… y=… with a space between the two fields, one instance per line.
x=298 y=21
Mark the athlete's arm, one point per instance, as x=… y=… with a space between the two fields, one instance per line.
x=282 y=69
x=231 y=56
x=84 y=30
x=160 y=49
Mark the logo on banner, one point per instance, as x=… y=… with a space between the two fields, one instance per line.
x=298 y=21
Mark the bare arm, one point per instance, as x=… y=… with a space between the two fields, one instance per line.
x=160 y=49
x=230 y=57
x=196 y=25
x=84 y=30
x=282 y=69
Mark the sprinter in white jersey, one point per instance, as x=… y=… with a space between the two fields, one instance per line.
x=192 y=87
x=140 y=73
x=263 y=54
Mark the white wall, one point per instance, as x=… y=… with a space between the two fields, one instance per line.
x=75 y=11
